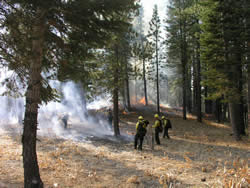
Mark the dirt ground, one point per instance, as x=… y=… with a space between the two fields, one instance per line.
x=197 y=155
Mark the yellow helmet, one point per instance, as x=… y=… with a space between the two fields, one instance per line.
x=156 y=116
x=163 y=117
x=140 y=118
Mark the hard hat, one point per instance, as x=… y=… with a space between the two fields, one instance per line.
x=156 y=116
x=140 y=118
x=162 y=117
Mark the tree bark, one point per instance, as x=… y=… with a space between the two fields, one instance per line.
x=184 y=75
x=116 y=95
x=145 y=81
x=235 y=119
x=127 y=87
x=183 y=61
x=198 y=81
x=188 y=90
x=218 y=110
x=135 y=87
x=31 y=169
x=236 y=76
x=194 y=94
x=157 y=76
x=248 y=89
x=247 y=30
x=240 y=88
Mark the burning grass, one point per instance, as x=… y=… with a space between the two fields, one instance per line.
x=197 y=155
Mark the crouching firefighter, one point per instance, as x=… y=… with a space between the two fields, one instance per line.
x=140 y=132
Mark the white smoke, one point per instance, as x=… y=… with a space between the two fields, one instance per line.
x=80 y=125
x=137 y=92
x=100 y=102
x=11 y=110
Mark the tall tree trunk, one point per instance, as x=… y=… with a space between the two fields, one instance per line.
x=194 y=94
x=184 y=90
x=248 y=97
x=145 y=81
x=127 y=87
x=157 y=76
x=116 y=111
x=208 y=103
x=167 y=91
x=198 y=81
x=239 y=54
x=235 y=119
x=188 y=90
x=135 y=87
x=183 y=56
x=33 y=98
x=247 y=32
x=183 y=60
x=218 y=110
x=116 y=95
x=123 y=93
x=184 y=76
x=240 y=87
x=236 y=107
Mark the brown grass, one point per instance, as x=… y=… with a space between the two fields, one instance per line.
x=195 y=152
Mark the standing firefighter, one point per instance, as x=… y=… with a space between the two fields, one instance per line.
x=158 y=128
x=65 y=120
x=110 y=117
x=166 y=125
x=140 y=132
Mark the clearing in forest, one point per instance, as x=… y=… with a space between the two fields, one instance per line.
x=197 y=155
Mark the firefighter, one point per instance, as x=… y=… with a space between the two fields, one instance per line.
x=110 y=117
x=65 y=120
x=146 y=122
x=140 y=132
x=166 y=125
x=158 y=128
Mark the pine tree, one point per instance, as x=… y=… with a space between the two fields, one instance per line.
x=222 y=52
x=246 y=15
x=38 y=37
x=177 y=28
x=194 y=12
x=154 y=36
x=141 y=48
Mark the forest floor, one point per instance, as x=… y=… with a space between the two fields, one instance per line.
x=197 y=155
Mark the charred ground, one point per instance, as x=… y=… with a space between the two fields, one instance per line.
x=197 y=155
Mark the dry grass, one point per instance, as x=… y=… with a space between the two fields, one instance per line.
x=197 y=155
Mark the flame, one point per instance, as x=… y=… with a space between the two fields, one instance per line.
x=162 y=106
x=142 y=101
x=124 y=112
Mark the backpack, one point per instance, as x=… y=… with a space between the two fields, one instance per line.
x=141 y=129
x=160 y=127
x=146 y=122
x=169 y=125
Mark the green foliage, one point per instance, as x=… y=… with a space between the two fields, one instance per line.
x=142 y=48
x=182 y=33
x=75 y=31
x=154 y=36
x=222 y=44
